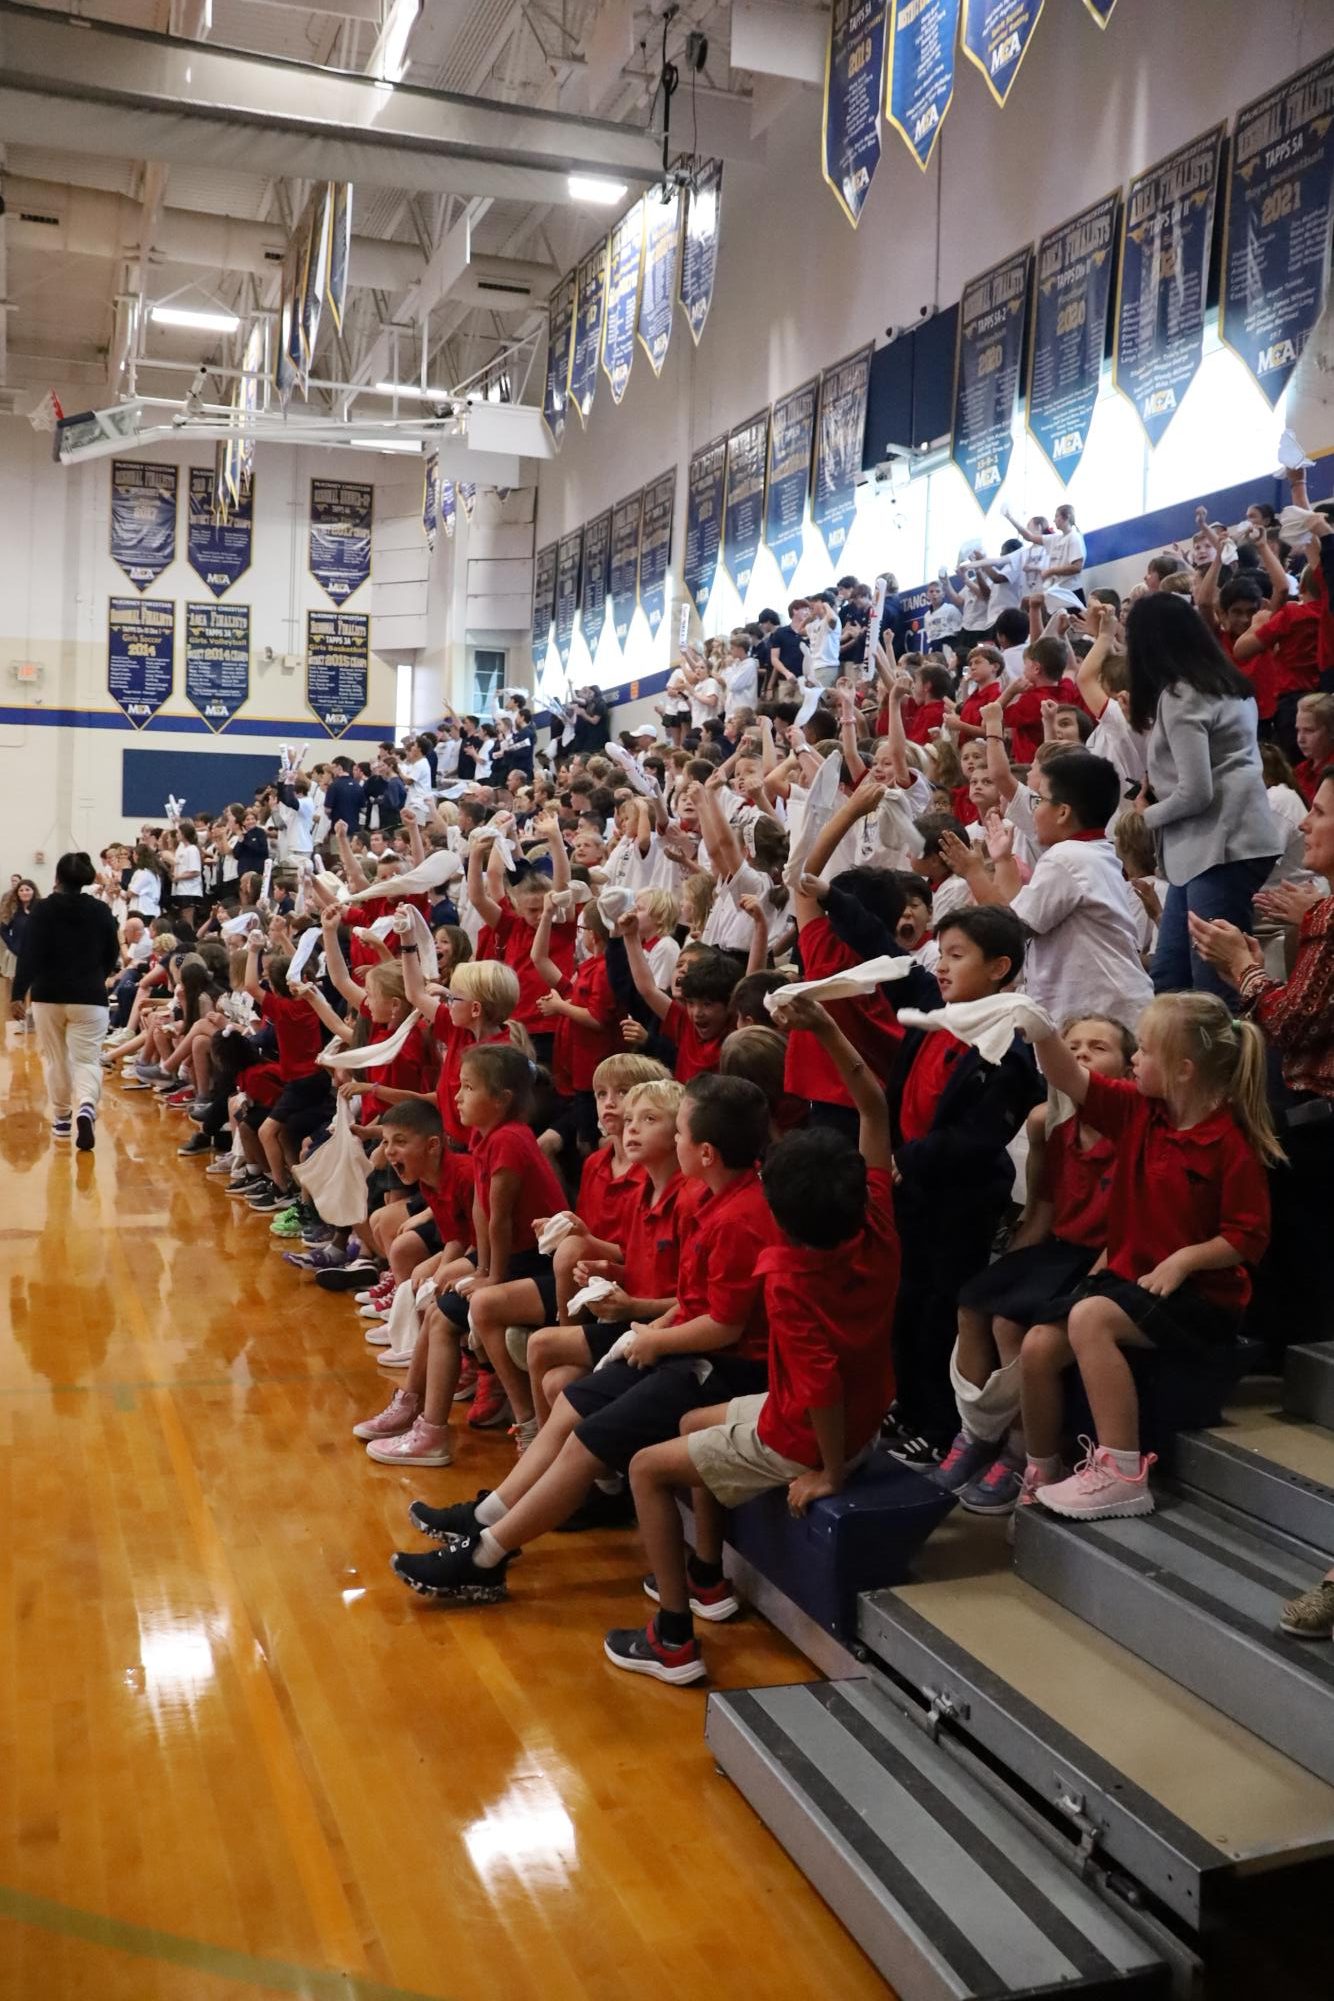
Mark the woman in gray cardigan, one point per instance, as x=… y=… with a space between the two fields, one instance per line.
x=1217 y=838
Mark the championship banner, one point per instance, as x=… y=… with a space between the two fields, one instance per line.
x=448 y=506
x=704 y=520
x=338 y=657
x=791 y=448
x=340 y=536
x=1071 y=302
x=340 y=249
x=466 y=489
x=141 y=655
x=699 y=245
x=662 y=233
x=988 y=362
x=623 y=578
x=287 y=324
x=854 y=74
x=1101 y=10
x=217 y=542
x=743 y=497
x=1280 y=209
x=316 y=274
x=569 y=562
x=919 y=71
x=590 y=306
x=655 y=547
x=294 y=289
x=143 y=519
x=217 y=660
x=560 y=341
x=840 y=434
x=544 y=600
x=594 y=584
x=1165 y=246
x=625 y=255
x=431 y=498
x=996 y=35
x=248 y=399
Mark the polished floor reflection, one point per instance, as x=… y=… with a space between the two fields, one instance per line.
x=239 y=1758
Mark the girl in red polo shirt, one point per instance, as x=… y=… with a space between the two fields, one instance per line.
x=1188 y=1212
x=582 y=1009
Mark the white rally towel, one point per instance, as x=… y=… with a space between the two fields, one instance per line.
x=310 y=938
x=380 y=929
x=334 y=1176
x=639 y=780
x=235 y=927
x=440 y=866
x=810 y=702
x=375 y=1055
x=896 y=826
x=480 y=837
x=401 y=1329
x=614 y=904
x=989 y=1026
x=809 y=816
x=558 y=1228
x=847 y=985
x=411 y=926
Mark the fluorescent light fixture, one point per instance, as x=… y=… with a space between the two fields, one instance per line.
x=386 y=444
x=602 y=194
x=391 y=50
x=198 y=322
x=413 y=390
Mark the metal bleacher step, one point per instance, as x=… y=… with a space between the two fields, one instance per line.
x=950 y=1896
x=1178 y=1797
x=1276 y=1469
x=1308 y=1383
x=1196 y=1594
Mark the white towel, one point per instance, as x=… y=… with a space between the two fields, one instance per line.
x=896 y=826
x=310 y=938
x=481 y=836
x=557 y=1229
x=809 y=816
x=810 y=702
x=639 y=780
x=440 y=866
x=234 y=927
x=988 y=1025
x=410 y=925
x=1295 y=524
x=614 y=904
x=375 y=1055
x=863 y=979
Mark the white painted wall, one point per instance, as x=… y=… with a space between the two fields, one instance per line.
x=796 y=289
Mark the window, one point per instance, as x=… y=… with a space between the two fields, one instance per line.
x=402 y=700
x=488 y=678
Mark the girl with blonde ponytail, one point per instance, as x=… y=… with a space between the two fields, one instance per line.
x=1188 y=1214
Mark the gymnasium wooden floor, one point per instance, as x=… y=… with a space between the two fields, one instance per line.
x=239 y=1758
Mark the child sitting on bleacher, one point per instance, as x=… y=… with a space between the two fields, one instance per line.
x=1189 y=1211
x=829 y=1286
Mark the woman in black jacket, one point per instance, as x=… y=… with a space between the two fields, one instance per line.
x=69 y=951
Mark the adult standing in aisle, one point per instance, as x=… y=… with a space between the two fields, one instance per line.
x=69 y=951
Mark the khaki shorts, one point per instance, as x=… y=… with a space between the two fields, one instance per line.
x=732 y=1461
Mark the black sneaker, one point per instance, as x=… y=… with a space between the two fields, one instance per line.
x=910 y=1448
x=247 y=1184
x=85 y=1130
x=197 y=1143
x=351 y=1277
x=455 y=1524
x=641 y=1651
x=599 y=1510
x=451 y=1574
x=267 y=1199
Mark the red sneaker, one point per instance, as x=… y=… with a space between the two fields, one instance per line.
x=467 y=1388
x=490 y=1406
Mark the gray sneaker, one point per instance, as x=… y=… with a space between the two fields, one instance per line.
x=966 y=1459
x=996 y=1492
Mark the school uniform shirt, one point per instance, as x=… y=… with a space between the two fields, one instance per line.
x=971 y=712
x=1005 y=593
x=741 y=685
x=451 y=1044
x=655 y=1229
x=1084 y=956
x=606 y=1201
x=511 y=1147
x=785 y=640
x=727 y=925
x=694 y=1053
x=511 y=941
x=187 y=871
x=1023 y=716
x=941 y=624
x=578 y=1049
x=829 y=1316
x=1077 y=1181
x=1124 y=748
x=1058 y=549
x=947 y=897
x=145 y=893
x=450 y=1201
x=717 y=1274
x=1291 y=637
x=920 y=718
x=300 y=1034
x=413 y=1069
x=975 y=611
x=925 y=1083
x=867 y=1020
x=1173 y=1187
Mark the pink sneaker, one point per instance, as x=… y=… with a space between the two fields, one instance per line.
x=467 y=1388
x=1096 y=1490
x=1028 y=1495
x=399 y=1414
x=425 y=1445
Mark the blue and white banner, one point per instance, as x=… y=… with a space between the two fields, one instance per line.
x=854 y=75
x=1071 y=303
x=840 y=434
x=996 y=35
x=141 y=655
x=560 y=344
x=657 y=298
x=1101 y=10
x=143 y=519
x=791 y=449
x=655 y=547
x=1280 y=210
x=218 y=541
x=624 y=569
x=338 y=666
x=988 y=364
x=340 y=249
x=699 y=246
x=431 y=498
x=316 y=272
x=625 y=256
x=590 y=306
x=217 y=660
x=466 y=490
x=544 y=601
x=743 y=497
x=919 y=71
x=340 y=535
x=593 y=589
x=1165 y=245
x=569 y=562
x=448 y=507
x=704 y=520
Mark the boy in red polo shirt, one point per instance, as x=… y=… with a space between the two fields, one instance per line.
x=829 y=1286
x=1289 y=640
x=712 y=1341
x=306 y=1100
x=699 y=1021
x=1044 y=679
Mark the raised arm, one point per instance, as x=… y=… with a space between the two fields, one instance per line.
x=356 y=876
x=847 y=733
x=1099 y=619
x=335 y=964
x=873 y=1138
x=252 y=950
x=480 y=888
x=719 y=838
x=414 y=981
x=640 y=971
x=540 y=953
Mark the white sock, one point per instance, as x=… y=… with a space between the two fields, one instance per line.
x=490 y=1511
x=612 y=1483
x=1047 y=1469
x=487 y=1553
x=1126 y=1463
